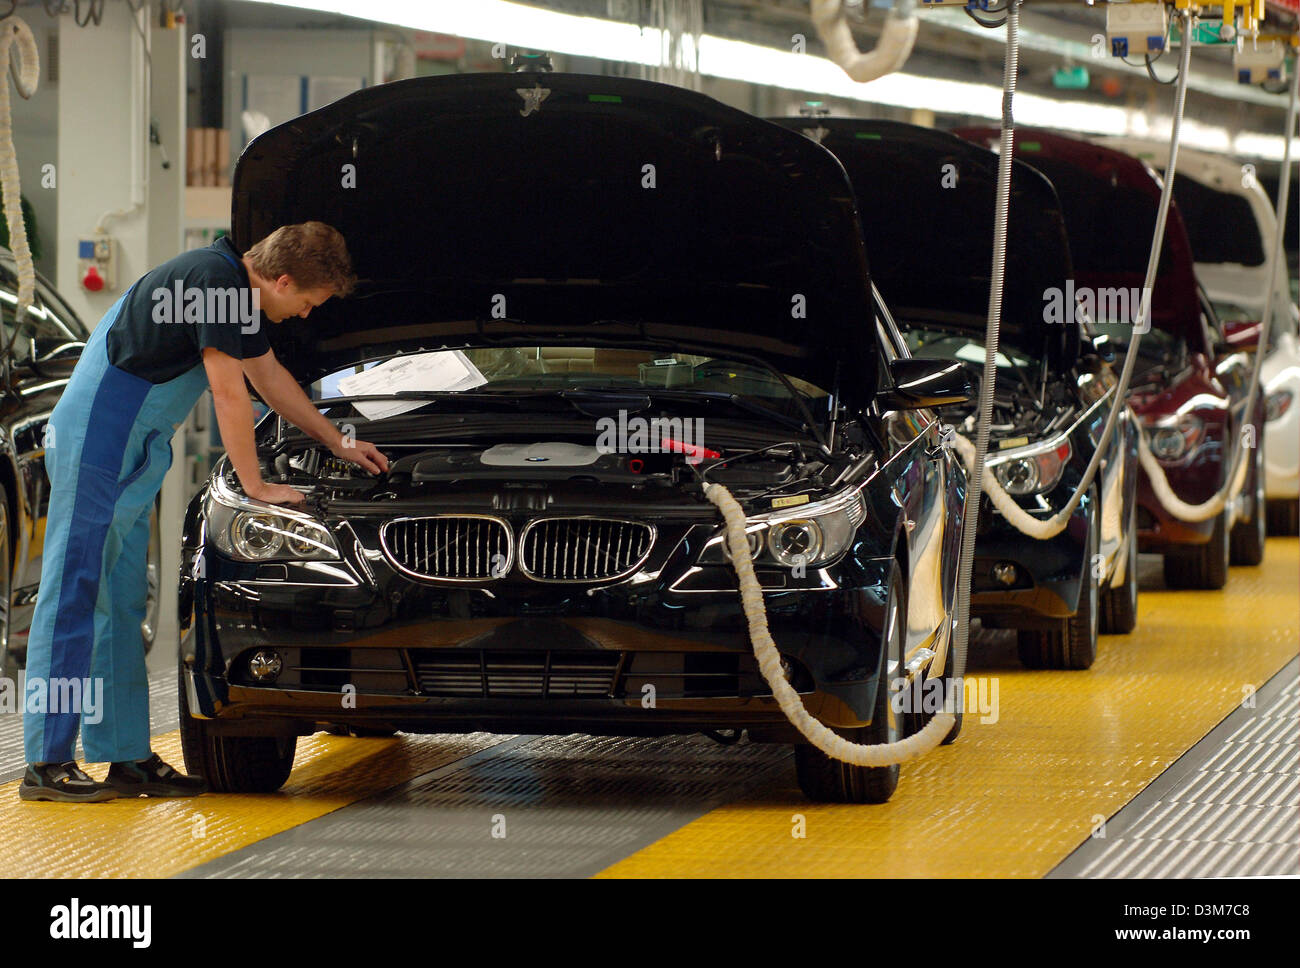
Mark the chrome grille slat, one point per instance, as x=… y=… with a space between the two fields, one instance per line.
x=583 y=549
x=458 y=547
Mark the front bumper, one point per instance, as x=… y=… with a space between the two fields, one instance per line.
x=1195 y=482
x=1282 y=455
x=360 y=643
x=1049 y=574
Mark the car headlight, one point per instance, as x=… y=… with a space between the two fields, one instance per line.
x=252 y=531
x=1035 y=471
x=1173 y=440
x=817 y=534
x=795 y=542
x=257 y=536
x=1277 y=403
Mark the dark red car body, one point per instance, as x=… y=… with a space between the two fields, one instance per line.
x=1110 y=201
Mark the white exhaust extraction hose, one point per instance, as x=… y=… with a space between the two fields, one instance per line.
x=1044 y=528
x=1237 y=467
x=1175 y=505
x=1018 y=517
x=26 y=71
x=891 y=50
x=769 y=663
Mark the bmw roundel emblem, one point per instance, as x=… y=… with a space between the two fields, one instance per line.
x=536 y=459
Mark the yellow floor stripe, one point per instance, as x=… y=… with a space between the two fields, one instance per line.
x=1012 y=799
x=147 y=837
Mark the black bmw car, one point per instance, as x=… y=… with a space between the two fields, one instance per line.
x=581 y=299
x=1053 y=392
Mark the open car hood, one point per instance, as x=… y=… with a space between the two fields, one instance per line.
x=1110 y=201
x=517 y=209
x=1229 y=219
x=929 y=230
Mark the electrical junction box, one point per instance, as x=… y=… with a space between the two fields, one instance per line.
x=1255 y=62
x=1136 y=28
x=96 y=262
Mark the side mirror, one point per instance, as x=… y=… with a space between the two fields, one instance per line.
x=1239 y=334
x=926 y=383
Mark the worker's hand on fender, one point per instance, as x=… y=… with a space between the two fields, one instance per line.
x=276 y=494
x=364 y=454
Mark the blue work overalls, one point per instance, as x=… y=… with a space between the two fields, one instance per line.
x=106 y=457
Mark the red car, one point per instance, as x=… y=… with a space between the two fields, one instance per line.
x=1190 y=384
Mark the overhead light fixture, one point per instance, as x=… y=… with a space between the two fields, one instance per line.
x=522 y=25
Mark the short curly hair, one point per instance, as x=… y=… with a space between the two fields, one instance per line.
x=313 y=254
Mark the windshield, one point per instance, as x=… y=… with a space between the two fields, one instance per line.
x=939 y=344
x=546 y=369
x=928 y=341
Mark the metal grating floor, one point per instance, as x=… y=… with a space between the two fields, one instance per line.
x=532 y=806
x=1229 y=807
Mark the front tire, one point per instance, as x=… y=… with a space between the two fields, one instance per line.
x=1203 y=566
x=832 y=781
x=1072 y=645
x=1119 y=606
x=1283 y=516
x=233 y=764
x=1246 y=545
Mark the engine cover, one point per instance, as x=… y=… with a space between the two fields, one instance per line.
x=553 y=453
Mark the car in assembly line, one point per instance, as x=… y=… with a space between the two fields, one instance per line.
x=1190 y=384
x=1053 y=392
x=1231 y=223
x=581 y=298
x=36 y=360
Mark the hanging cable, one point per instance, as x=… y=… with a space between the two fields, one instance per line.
x=988 y=24
x=751 y=593
x=94 y=12
x=26 y=72
x=1043 y=528
x=988 y=384
x=1235 y=478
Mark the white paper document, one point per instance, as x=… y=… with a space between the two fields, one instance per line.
x=429 y=372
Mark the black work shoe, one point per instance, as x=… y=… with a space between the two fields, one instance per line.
x=62 y=783
x=153 y=778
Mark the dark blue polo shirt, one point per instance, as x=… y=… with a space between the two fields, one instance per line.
x=200 y=298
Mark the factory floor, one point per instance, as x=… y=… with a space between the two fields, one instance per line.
x=1174 y=756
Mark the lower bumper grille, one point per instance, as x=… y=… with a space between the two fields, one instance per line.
x=485 y=675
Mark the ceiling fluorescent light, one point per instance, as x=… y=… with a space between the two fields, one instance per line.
x=521 y=25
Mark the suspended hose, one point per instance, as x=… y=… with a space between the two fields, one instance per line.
x=974 y=489
x=769 y=662
x=1017 y=517
x=751 y=593
x=891 y=52
x=26 y=71
x=1235 y=479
